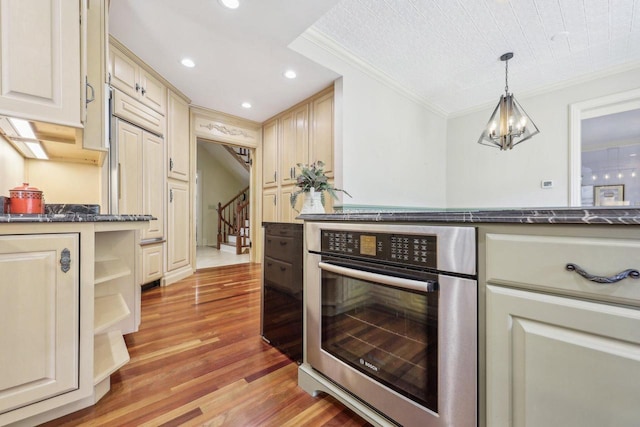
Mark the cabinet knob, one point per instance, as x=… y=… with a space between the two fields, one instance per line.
x=137 y=87
x=634 y=274
x=143 y=91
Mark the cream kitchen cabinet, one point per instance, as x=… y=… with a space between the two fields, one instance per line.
x=141 y=185
x=561 y=349
x=136 y=81
x=178 y=138
x=321 y=131
x=40 y=312
x=95 y=59
x=302 y=134
x=294 y=143
x=40 y=56
x=140 y=176
x=270 y=154
x=178 y=227
x=269 y=205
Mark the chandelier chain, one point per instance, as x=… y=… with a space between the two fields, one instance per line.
x=506 y=77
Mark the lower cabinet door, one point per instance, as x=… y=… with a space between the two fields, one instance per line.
x=152 y=268
x=39 y=318
x=556 y=361
x=178 y=240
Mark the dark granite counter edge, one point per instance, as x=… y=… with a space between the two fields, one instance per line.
x=610 y=216
x=71 y=217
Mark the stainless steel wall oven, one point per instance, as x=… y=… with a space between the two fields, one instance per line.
x=392 y=318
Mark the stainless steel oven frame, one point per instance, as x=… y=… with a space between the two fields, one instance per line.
x=457 y=332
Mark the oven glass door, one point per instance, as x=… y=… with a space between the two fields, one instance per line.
x=385 y=327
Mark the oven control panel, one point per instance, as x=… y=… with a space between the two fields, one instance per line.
x=419 y=250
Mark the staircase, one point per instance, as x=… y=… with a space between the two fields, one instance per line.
x=242 y=155
x=233 y=224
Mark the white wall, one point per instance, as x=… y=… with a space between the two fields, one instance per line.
x=479 y=176
x=11 y=168
x=390 y=150
x=218 y=186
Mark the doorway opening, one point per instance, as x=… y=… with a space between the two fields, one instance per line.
x=605 y=151
x=223 y=196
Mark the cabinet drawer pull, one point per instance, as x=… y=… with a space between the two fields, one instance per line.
x=282 y=243
x=65 y=260
x=283 y=268
x=634 y=274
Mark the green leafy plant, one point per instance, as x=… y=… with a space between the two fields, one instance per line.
x=313 y=176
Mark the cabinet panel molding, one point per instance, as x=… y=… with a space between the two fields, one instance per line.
x=559 y=361
x=40 y=56
x=40 y=306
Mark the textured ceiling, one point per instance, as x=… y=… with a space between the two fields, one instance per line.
x=444 y=52
x=447 y=51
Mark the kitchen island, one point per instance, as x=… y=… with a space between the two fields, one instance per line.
x=69 y=291
x=558 y=312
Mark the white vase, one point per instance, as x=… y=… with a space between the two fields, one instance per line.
x=312 y=202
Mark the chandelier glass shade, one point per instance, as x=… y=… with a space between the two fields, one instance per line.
x=509 y=124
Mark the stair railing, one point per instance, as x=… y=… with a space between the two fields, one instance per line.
x=229 y=216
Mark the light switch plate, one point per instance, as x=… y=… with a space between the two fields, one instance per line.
x=547 y=183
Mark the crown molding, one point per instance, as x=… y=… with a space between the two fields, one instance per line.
x=325 y=42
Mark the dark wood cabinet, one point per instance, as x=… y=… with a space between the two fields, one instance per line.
x=282 y=288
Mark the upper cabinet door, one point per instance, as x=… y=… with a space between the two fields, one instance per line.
x=295 y=143
x=131 y=78
x=40 y=60
x=270 y=154
x=178 y=138
x=321 y=135
x=152 y=92
x=124 y=73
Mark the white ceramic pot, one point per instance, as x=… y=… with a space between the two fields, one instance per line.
x=312 y=202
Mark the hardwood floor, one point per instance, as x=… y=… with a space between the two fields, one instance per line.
x=198 y=360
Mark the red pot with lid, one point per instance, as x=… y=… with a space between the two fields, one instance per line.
x=26 y=200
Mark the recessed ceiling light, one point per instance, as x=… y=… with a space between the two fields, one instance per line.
x=188 y=63
x=633 y=154
x=290 y=74
x=246 y=105
x=231 y=4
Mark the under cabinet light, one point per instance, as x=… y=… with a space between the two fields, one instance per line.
x=23 y=128
x=37 y=150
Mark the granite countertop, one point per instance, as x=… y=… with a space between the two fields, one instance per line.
x=71 y=213
x=71 y=217
x=590 y=215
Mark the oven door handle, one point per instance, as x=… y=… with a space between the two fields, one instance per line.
x=398 y=282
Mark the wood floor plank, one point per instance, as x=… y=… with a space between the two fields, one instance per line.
x=199 y=360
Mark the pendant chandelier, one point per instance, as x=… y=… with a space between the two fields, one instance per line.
x=509 y=124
